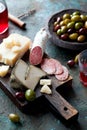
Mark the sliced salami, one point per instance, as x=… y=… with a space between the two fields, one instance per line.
x=48 y=66
x=51 y=66
x=58 y=66
x=64 y=76
x=38 y=47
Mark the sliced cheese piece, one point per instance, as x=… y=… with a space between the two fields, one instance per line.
x=4 y=70
x=13 y=47
x=45 y=81
x=34 y=74
x=7 y=56
x=10 y=58
x=45 y=89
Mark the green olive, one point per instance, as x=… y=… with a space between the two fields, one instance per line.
x=83 y=17
x=85 y=24
x=63 y=29
x=59 y=32
x=78 y=25
x=70 y=25
x=81 y=38
x=66 y=21
x=14 y=117
x=66 y=16
x=76 y=18
x=55 y=23
x=76 y=13
x=76 y=59
x=73 y=36
x=62 y=23
x=30 y=95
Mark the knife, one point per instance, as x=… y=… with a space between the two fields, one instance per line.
x=17 y=20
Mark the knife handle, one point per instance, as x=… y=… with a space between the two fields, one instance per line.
x=61 y=106
x=17 y=21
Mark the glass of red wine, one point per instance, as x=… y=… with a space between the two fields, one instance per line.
x=3 y=17
x=83 y=67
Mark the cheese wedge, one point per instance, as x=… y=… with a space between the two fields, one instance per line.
x=33 y=74
x=4 y=70
x=13 y=47
x=45 y=82
x=46 y=89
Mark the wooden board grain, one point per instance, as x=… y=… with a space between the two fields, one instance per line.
x=54 y=101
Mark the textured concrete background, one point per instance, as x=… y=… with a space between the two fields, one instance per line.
x=77 y=97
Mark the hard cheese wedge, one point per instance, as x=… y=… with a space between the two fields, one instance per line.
x=13 y=47
x=46 y=89
x=33 y=75
x=4 y=70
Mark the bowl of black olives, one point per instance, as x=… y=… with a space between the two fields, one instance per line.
x=68 y=29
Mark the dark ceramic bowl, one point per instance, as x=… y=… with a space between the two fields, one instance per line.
x=59 y=42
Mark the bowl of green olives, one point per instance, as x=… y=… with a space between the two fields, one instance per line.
x=68 y=29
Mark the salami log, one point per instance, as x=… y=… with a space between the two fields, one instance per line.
x=64 y=76
x=38 y=47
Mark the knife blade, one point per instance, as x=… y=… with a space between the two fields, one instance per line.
x=29 y=13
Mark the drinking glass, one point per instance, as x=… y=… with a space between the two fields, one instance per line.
x=3 y=17
x=83 y=67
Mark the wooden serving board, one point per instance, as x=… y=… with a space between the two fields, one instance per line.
x=55 y=101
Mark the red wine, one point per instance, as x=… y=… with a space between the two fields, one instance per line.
x=83 y=78
x=3 y=18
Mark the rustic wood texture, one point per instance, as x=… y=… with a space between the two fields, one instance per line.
x=61 y=106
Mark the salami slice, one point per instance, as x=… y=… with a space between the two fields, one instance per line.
x=48 y=66
x=51 y=66
x=38 y=47
x=58 y=66
x=64 y=76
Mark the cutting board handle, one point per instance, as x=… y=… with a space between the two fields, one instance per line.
x=61 y=106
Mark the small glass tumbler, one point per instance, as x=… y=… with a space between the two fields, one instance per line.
x=83 y=67
x=3 y=17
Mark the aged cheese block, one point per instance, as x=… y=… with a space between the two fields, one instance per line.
x=33 y=74
x=13 y=47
